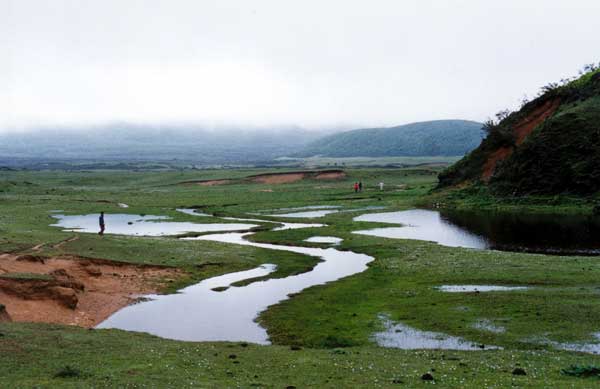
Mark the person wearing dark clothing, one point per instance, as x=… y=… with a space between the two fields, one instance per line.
x=360 y=186
x=102 y=225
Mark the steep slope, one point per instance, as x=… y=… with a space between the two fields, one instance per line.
x=439 y=138
x=550 y=146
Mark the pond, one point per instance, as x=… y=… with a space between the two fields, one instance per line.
x=136 y=225
x=548 y=234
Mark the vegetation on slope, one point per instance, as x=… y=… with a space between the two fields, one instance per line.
x=440 y=137
x=550 y=146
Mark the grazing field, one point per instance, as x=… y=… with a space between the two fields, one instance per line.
x=323 y=336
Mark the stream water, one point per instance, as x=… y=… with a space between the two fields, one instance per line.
x=199 y=313
x=216 y=310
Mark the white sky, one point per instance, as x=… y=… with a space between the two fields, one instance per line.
x=316 y=64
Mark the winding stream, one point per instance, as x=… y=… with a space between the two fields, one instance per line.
x=199 y=313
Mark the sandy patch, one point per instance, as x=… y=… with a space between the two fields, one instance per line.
x=75 y=291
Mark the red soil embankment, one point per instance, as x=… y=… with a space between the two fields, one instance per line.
x=289 y=177
x=521 y=132
x=4 y=316
x=541 y=113
x=208 y=182
x=492 y=161
x=73 y=290
x=275 y=178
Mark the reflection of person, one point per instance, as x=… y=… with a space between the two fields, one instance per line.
x=101 y=221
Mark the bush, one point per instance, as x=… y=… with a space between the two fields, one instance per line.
x=68 y=372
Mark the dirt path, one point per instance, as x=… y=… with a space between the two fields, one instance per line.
x=73 y=290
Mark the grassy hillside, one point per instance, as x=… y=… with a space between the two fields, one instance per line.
x=550 y=146
x=440 y=137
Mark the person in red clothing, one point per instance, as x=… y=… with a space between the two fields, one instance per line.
x=356 y=187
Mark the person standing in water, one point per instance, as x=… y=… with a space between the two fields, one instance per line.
x=102 y=225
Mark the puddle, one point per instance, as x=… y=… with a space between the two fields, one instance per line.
x=300 y=208
x=398 y=335
x=478 y=288
x=136 y=225
x=307 y=214
x=322 y=212
x=488 y=326
x=537 y=233
x=589 y=348
x=282 y=225
x=198 y=313
x=369 y=208
x=191 y=211
x=421 y=224
x=324 y=239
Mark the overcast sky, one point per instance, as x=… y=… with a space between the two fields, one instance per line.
x=316 y=64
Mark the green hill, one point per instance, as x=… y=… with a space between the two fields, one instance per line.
x=433 y=138
x=550 y=146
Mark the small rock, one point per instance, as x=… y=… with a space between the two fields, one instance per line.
x=519 y=371
x=427 y=377
x=295 y=348
x=65 y=296
x=397 y=381
x=232 y=356
x=93 y=271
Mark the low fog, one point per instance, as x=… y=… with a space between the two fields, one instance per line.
x=271 y=64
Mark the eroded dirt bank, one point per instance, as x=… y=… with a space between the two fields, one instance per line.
x=72 y=290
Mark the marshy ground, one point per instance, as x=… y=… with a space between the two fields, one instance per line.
x=323 y=336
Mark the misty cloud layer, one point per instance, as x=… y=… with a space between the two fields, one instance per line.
x=315 y=64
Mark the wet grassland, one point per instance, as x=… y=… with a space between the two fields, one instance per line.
x=323 y=336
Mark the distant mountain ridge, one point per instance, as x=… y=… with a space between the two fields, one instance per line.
x=430 y=138
x=131 y=142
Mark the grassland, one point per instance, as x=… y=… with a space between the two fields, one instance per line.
x=331 y=325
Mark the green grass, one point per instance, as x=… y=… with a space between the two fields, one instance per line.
x=27 y=276
x=50 y=356
x=562 y=306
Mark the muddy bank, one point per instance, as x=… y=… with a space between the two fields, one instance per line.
x=4 y=316
x=207 y=182
x=289 y=177
x=275 y=178
x=73 y=290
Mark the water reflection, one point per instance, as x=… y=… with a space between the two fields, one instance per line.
x=550 y=234
x=198 y=313
x=136 y=225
